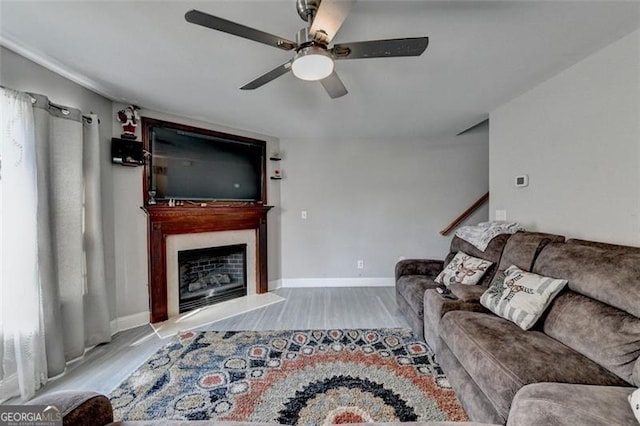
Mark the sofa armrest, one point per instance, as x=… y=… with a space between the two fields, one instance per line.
x=79 y=408
x=428 y=267
x=569 y=404
x=467 y=293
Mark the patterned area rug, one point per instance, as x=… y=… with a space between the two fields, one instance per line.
x=311 y=377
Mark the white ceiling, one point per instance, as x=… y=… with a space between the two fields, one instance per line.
x=481 y=54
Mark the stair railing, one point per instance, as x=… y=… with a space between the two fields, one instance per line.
x=475 y=206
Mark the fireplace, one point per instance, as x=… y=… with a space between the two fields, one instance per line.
x=211 y=275
x=190 y=227
x=209 y=253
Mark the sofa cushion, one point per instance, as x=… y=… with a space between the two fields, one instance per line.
x=463 y=269
x=602 y=333
x=501 y=357
x=492 y=253
x=467 y=293
x=560 y=403
x=520 y=296
x=411 y=288
x=523 y=248
x=609 y=275
x=436 y=305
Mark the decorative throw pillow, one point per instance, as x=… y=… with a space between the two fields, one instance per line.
x=634 y=400
x=521 y=296
x=463 y=269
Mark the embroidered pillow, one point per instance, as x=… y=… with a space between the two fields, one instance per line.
x=521 y=296
x=463 y=269
x=634 y=400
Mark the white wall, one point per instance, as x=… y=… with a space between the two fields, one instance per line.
x=131 y=280
x=577 y=136
x=19 y=73
x=374 y=200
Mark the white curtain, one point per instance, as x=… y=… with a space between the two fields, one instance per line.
x=70 y=272
x=22 y=347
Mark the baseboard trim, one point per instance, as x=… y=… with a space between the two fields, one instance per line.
x=274 y=285
x=338 y=282
x=129 y=321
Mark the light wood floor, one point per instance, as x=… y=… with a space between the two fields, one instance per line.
x=104 y=367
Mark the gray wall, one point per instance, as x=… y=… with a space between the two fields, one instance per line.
x=375 y=200
x=19 y=73
x=577 y=136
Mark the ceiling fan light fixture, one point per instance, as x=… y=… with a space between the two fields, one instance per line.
x=312 y=63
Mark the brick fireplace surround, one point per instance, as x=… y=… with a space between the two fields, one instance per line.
x=189 y=219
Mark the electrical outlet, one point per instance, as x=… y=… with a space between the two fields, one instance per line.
x=303 y=214
x=360 y=264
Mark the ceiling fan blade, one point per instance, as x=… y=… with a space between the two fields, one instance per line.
x=265 y=78
x=334 y=86
x=220 y=24
x=381 y=48
x=330 y=16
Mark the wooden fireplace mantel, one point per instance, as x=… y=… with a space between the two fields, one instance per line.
x=189 y=219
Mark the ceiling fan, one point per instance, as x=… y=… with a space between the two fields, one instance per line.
x=314 y=60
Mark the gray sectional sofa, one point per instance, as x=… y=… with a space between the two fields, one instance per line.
x=576 y=366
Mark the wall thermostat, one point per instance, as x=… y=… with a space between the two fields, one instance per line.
x=522 y=181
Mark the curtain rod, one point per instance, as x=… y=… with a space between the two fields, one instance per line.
x=65 y=111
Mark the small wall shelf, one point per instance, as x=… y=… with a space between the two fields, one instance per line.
x=127 y=152
x=276 y=174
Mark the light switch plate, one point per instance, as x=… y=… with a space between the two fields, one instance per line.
x=501 y=215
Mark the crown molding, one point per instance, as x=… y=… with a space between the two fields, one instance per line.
x=55 y=66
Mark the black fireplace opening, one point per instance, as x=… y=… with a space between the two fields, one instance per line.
x=211 y=275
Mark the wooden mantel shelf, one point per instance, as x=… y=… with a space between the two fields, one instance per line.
x=188 y=212
x=188 y=219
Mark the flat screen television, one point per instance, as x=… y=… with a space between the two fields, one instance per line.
x=201 y=165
